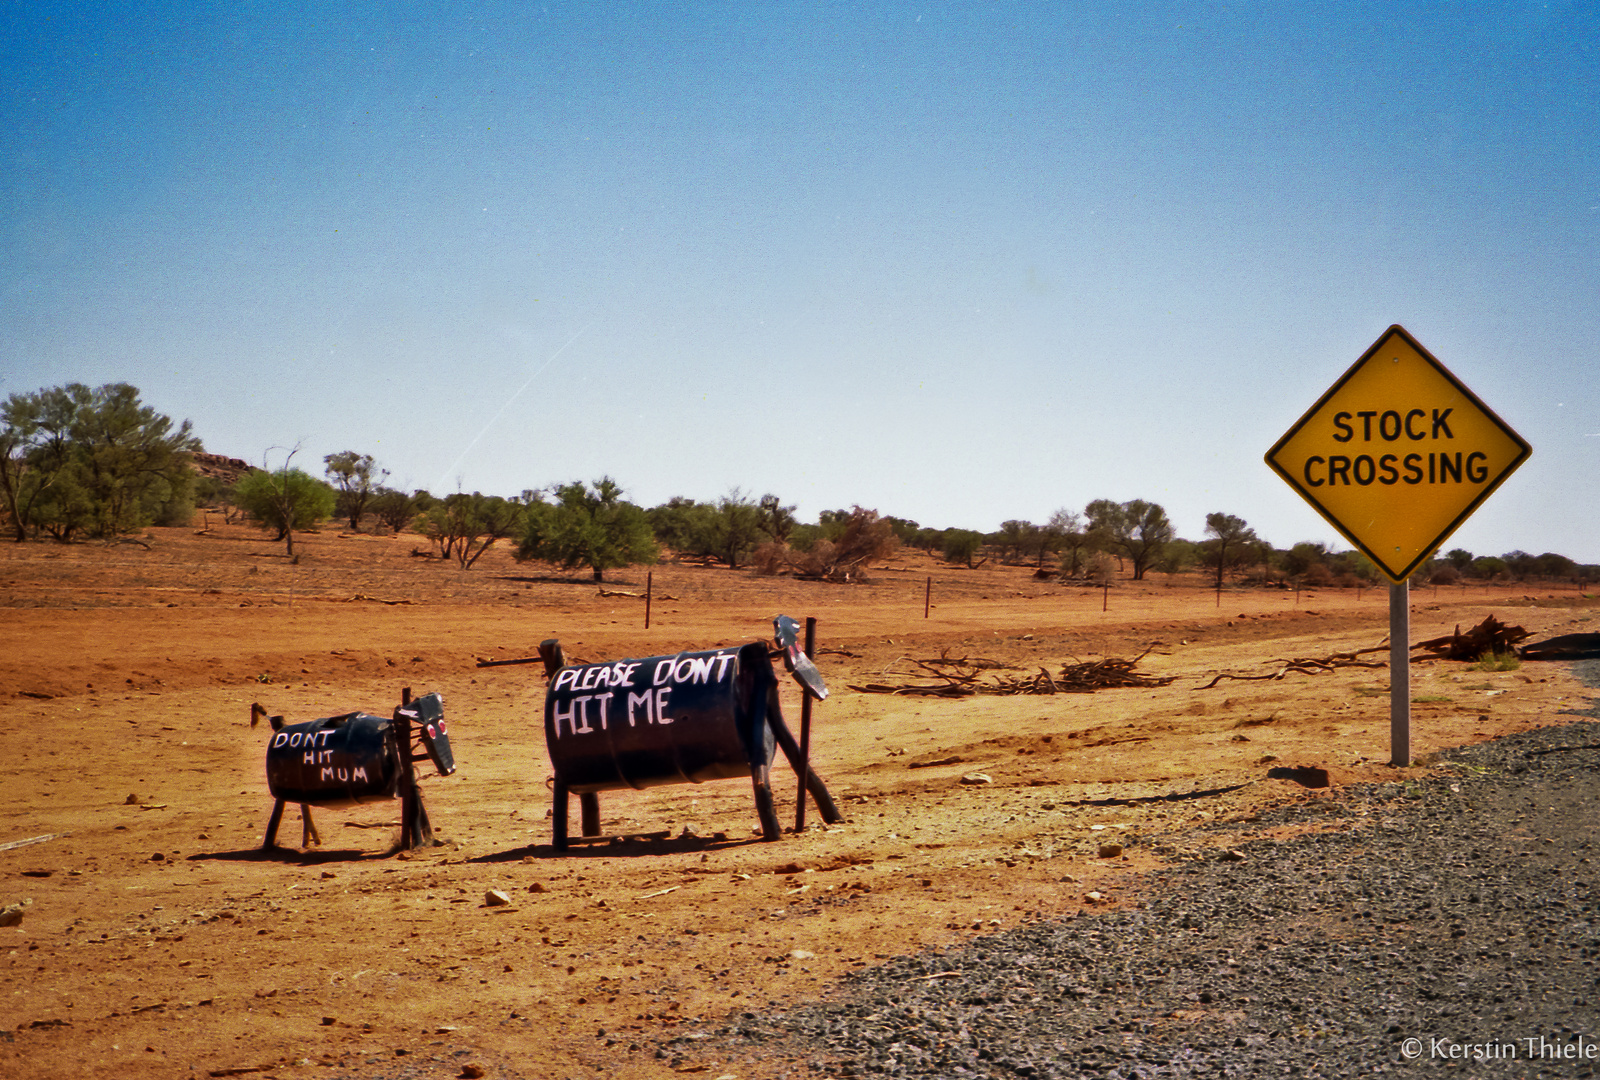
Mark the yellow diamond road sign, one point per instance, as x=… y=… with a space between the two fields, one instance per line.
x=1397 y=454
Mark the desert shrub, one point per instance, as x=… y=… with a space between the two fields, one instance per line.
x=1487 y=568
x=588 y=525
x=961 y=545
x=1178 y=555
x=168 y=501
x=804 y=537
x=1444 y=575
x=393 y=508
x=770 y=558
x=1318 y=575
x=860 y=536
x=1101 y=567
x=76 y=461
x=817 y=562
x=464 y=526
x=285 y=499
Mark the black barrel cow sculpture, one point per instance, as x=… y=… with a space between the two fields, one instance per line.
x=687 y=718
x=354 y=759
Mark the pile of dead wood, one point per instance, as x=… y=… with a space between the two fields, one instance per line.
x=1310 y=665
x=967 y=676
x=1489 y=638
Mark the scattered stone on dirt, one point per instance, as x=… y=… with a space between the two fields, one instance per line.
x=1383 y=926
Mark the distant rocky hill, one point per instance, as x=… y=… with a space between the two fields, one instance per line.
x=226 y=469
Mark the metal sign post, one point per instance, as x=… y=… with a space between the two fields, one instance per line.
x=1396 y=455
x=1400 y=674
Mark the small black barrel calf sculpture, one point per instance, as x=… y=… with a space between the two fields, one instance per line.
x=350 y=760
x=688 y=718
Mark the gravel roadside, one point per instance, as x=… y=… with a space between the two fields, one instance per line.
x=1448 y=924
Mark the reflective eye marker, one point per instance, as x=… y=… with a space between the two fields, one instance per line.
x=1397 y=454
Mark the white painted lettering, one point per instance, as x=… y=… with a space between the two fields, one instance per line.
x=661 y=705
x=564 y=679
x=646 y=699
x=722 y=666
x=604 y=707
x=558 y=715
x=580 y=704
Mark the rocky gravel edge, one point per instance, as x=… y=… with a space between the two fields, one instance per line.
x=1449 y=923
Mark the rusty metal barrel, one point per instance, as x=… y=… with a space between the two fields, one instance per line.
x=640 y=723
x=335 y=761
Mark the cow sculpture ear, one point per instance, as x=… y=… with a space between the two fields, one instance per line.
x=551 y=653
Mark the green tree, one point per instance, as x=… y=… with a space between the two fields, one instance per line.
x=588 y=526
x=686 y=526
x=358 y=479
x=777 y=520
x=1521 y=565
x=908 y=532
x=394 y=508
x=961 y=545
x=1014 y=539
x=76 y=461
x=738 y=525
x=1553 y=566
x=1177 y=556
x=1137 y=529
x=1487 y=568
x=463 y=526
x=284 y=499
x=1298 y=561
x=1231 y=543
x=1072 y=540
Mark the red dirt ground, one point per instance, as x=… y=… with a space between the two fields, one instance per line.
x=159 y=942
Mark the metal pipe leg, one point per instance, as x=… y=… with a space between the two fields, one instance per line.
x=589 y=809
x=272 y=825
x=558 y=816
x=761 y=781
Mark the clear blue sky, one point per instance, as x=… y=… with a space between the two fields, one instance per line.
x=956 y=262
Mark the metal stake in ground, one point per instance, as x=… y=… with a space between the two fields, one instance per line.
x=805 y=731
